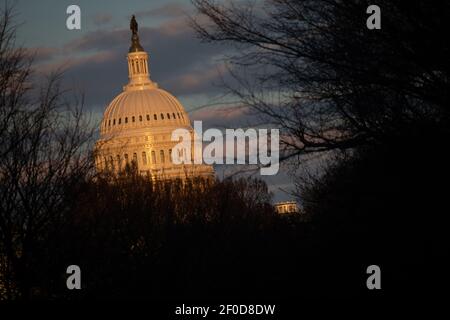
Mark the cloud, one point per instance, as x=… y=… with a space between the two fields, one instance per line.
x=198 y=79
x=226 y=113
x=97 y=41
x=231 y=116
x=101 y=19
x=42 y=54
x=168 y=10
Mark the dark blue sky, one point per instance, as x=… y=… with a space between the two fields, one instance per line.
x=95 y=56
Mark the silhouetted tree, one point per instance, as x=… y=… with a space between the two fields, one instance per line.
x=136 y=237
x=43 y=155
x=374 y=105
x=314 y=69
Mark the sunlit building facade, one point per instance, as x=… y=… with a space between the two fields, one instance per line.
x=137 y=125
x=287 y=207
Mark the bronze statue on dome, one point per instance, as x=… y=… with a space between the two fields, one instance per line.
x=133 y=25
x=135 y=45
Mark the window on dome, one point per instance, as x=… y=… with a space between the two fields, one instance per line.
x=170 y=155
x=178 y=115
x=161 y=155
x=140 y=118
x=153 y=157
x=144 y=158
x=148 y=117
x=132 y=118
x=126 y=157
x=154 y=117
x=109 y=123
x=173 y=115
x=120 y=120
x=168 y=116
x=162 y=116
x=126 y=119
x=114 y=122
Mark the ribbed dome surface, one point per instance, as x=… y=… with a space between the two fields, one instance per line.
x=152 y=107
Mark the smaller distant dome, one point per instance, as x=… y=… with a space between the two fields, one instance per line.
x=143 y=109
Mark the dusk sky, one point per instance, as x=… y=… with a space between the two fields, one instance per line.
x=95 y=57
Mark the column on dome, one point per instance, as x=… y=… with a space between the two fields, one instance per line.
x=138 y=74
x=138 y=65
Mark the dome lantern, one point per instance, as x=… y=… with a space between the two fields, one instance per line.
x=138 y=72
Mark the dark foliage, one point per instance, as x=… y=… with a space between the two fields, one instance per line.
x=134 y=238
x=378 y=102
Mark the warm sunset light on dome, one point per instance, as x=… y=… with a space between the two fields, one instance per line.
x=138 y=123
x=141 y=109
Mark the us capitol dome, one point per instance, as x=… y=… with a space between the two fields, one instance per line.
x=137 y=125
